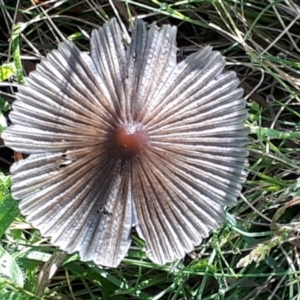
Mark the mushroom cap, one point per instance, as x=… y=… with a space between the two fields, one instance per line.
x=127 y=137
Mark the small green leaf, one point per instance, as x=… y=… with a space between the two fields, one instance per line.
x=74 y=36
x=3 y=123
x=255 y=106
x=8 y=207
x=9 y=269
x=4 y=106
x=6 y=71
x=17 y=29
x=274 y=134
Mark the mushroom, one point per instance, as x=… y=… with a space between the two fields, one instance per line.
x=127 y=137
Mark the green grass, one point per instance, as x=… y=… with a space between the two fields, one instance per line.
x=255 y=254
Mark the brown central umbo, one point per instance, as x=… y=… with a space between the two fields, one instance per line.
x=128 y=141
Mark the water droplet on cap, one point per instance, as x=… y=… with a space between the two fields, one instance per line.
x=281 y=55
x=270 y=99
